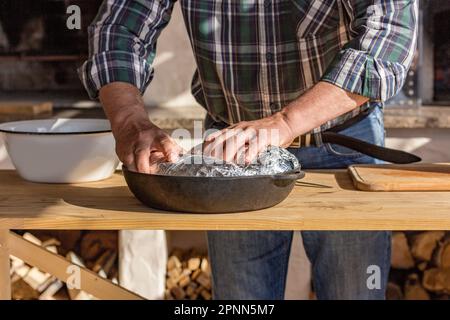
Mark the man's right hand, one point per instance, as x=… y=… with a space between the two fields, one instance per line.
x=140 y=144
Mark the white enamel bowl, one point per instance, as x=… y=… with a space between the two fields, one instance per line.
x=61 y=150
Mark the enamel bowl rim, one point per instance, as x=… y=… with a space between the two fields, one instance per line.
x=4 y=127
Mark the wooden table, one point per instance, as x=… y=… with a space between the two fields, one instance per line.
x=324 y=200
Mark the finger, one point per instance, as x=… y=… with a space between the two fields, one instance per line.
x=216 y=151
x=250 y=136
x=128 y=160
x=233 y=144
x=212 y=136
x=170 y=149
x=155 y=159
x=240 y=155
x=215 y=147
x=141 y=160
x=132 y=167
x=255 y=146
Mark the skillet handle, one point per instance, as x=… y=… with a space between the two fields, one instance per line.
x=294 y=175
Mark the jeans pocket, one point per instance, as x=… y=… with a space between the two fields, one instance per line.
x=370 y=129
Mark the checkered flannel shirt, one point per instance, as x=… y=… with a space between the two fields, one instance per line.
x=255 y=56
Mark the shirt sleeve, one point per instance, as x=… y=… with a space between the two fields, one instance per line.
x=375 y=62
x=122 y=43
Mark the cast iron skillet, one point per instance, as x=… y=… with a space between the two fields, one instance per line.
x=210 y=194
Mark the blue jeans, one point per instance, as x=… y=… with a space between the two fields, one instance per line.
x=253 y=264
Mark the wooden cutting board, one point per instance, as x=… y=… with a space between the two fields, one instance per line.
x=392 y=177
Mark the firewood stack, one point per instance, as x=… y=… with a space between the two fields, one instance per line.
x=420 y=266
x=97 y=250
x=188 y=276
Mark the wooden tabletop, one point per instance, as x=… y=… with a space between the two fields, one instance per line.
x=324 y=200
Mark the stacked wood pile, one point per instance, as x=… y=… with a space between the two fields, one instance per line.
x=97 y=250
x=420 y=266
x=188 y=276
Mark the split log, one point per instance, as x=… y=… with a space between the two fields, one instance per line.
x=22 y=271
x=195 y=274
x=423 y=244
x=51 y=242
x=22 y=291
x=441 y=256
x=194 y=264
x=170 y=283
x=69 y=239
x=188 y=275
x=194 y=296
x=173 y=262
x=16 y=265
x=401 y=257
x=393 y=292
x=52 y=289
x=422 y=266
x=205 y=294
x=204 y=280
x=437 y=280
x=101 y=261
x=37 y=279
x=184 y=281
x=191 y=291
x=174 y=274
x=414 y=290
x=29 y=237
x=51 y=248
x=94 y=244
x=110 y=262
x=178 y=293
x=205 y=266
x=168 y=295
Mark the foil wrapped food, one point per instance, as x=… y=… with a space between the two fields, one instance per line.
x=273 y=160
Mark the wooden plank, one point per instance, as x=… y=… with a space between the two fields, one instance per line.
x=390 y=177
x=26 y=108
x=57 y=266
x=5 y=280
x=324 y=200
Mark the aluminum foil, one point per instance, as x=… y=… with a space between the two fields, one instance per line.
x=273 y=160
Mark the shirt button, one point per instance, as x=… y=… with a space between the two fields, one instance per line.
x=269 y=56
x=267 y=3
x=274 y=106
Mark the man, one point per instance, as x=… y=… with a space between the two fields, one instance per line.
x=298 y=67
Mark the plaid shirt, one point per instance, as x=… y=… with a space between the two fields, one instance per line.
x=256 y=56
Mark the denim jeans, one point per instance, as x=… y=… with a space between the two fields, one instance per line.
x=253 y=264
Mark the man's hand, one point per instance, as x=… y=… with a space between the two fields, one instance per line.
x=140 y=145
x=241 y=143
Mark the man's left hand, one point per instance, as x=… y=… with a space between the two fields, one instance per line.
x=242 y=142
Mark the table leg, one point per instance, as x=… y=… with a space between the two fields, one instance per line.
x=5 y=279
